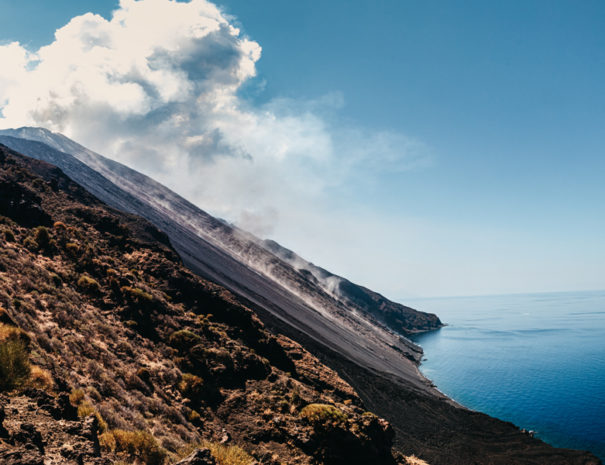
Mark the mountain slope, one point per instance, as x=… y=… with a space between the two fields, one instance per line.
x=243 y=263
x=344 y=325
x=158 y=361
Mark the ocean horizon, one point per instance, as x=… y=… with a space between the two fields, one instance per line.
x=536 y=360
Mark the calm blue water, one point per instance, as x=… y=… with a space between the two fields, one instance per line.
x=537 y=360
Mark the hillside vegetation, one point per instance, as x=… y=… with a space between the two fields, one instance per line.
x=111 y=350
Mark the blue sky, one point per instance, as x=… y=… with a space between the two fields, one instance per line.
x=506 y=99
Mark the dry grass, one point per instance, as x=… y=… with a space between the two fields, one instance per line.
x=228 y=455
x=76 y=397
x=223 y=454
x=9 y=332
x=137 y=445
x=413 y=460
x=41 y=378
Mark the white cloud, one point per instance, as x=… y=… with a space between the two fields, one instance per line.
x=156 y=87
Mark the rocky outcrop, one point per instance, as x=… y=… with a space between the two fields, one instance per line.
x=38 y=429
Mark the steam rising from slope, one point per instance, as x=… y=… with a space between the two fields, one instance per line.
x=156 y=87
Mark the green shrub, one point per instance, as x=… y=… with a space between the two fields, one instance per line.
x=72 y=249
x=191 y=386
x=184 y=339
x=89 y=284
x=30 y=244
x=137 y=295
x=323 y=414
x=42 y=237
x=14 y=364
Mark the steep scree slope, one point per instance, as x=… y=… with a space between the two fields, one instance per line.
x=349 y=320
x=156 y=360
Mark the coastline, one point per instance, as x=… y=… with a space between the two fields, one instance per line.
x=426 y=422
x=514 y=351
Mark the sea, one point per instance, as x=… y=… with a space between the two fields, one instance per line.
x=537 y=360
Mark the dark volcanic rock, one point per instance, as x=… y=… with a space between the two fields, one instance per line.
x=29 y=436
x=33 y=436
x=21 y=457
x=21 y=204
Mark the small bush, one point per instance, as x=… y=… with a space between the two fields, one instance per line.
x=10 y=332
x=76 y=397
x=136 y=444
x=193 y=416
x=228 y=455
x=42 y=237
x=137 y=295
x=41 y=378
x=72 y=249
x=184 y=339
x=60 y=226
x=30 y=244
x=89 y=285
x=14 y=364
x=323 y=414
x=191 y=386
x=85 y=409
x=107 y=441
